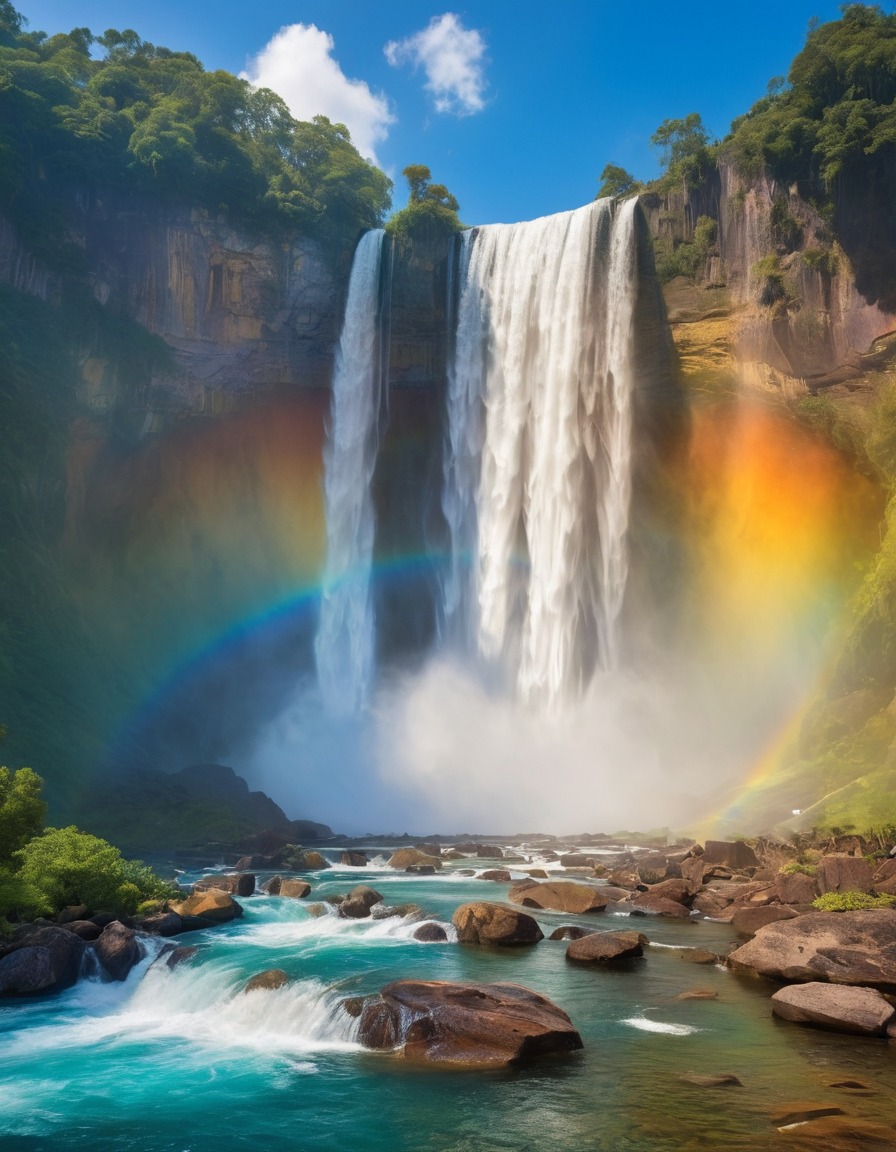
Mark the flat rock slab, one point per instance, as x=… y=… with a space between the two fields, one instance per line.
x=649 y=905
x=841 y=1134
x=748 y=920
x=839 y=947
x=483 y=923
x=836 y=1006
x=560 y=896
x=212 y=906
x=471 y=1025
x=605 y=947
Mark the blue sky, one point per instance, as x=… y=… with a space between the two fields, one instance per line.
x=527 y=101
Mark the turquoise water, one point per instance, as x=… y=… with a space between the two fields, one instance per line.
x=183 y=1061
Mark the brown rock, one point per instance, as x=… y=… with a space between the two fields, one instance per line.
x=406 y=911
x=537 y=873
x=47 y=960
x=269 y=980
x=577 y=860
x=693 y=869
x=569 y=932
x=716 y=905
x=86 y=929
x=560 y=896
x=73 y=913
x=843 y=874
x=404 y=858
x=680 y=890
x=429 y=849
x=358 y=903
x=604 y=947
x=239 y=884
x=840 y=947
x=842 y=1134
x=308 y=860
x=163 y=924
x=431 y=933
x=730 y=854
x=795 y=888
x=316 y=909
x=800 y=1112
x=214 y=906
x=354 y=859
x=293 y=888
x=118 y=950
x=272 y=886
x=473 y=1025
x=483 y=923
x=748 y=921
x=499 y=874
x=647 y=904
x=698 y=994
x=623 y=878
x=653 y=868
x=489 y=852
x=172 y=955
x=699 y=956
x=843 y=1009
x=354 y=1005
x=721 y=1080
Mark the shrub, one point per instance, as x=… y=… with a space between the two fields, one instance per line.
x=851 y=902
x=796 y=866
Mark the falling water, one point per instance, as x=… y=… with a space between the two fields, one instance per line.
x=344 y=647
x=538 y=458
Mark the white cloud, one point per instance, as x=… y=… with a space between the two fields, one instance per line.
x=298 y=65
x=452 y=57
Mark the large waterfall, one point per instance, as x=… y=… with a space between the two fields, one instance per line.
x=538 y=458
x=345 y=641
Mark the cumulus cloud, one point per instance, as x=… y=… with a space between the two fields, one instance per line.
x=298 y=64
x=452 y=58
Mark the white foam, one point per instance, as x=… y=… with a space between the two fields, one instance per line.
x=644 y=1025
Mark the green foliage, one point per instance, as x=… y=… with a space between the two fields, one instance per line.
x=794 y=866
x=22 y=810
x=146 y=119
x=851 y=902
x=685 y=151
x=689 y=257
x=431 y=212
x=786 y=230
x=768 y=272
x=615 y=181
x=66 y=866
x=822 y=260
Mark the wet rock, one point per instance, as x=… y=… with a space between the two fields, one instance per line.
x=715 y=905
x=430 y=849
x=499 y=874
x=335 y=898
x=466 y=872
x=680 y=890
x=194 y=924
x=453 y=854
x=720 y=1080
x=268 y=981
x=406 y=911
x=748 y=921
x=358 y=903
x=405 y=858
x=431 y=933
x=489 y=852
x=316 y=909
x=577 y=860
x=482 y=923
x=212 y=906
x=304 y=860
x=293 y=889
x=47 y=960
x=700 y=956
x=800 y=1112
x=354 y=859
x=162 y=924
x=560 y=896
x=118 y=950
x=730 y=854
x=472 y=1025
x=86 y=929
x=569 y=932
x=839 y=947
x=843 y=1009
x=649 y=905
x=604 y=947
x=173 y=955
x=251 y=863
x=354 y=1005
x=843 y=874
x=698 y=994
x=842 y=1134
x=537 y=873
x=421 y=869
x=241 y=884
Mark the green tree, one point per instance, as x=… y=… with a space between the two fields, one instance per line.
x=680 y=140
x=431 y=212
x=615 y=181
x=22 y=810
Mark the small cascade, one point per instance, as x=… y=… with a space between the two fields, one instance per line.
x=344 y=647
x=538 y=455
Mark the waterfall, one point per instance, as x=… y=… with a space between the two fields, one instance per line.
x=537 y=473
x=344 y=647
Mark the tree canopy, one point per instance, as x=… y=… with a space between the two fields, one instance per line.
x=431 y=210
x=147 y=119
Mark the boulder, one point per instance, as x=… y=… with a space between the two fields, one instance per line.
x=730 y=854
x=453 y=854
x=241 y=884
x=795 y=888
x=357 y=904
x=748 y=921
x=267 y=981
x=86 y=929
x=646 y=904
x=693 y=869
x=429 y=849
x=293 y=888
x=472 y=1025
x=839 y=947
x=421 y=869
x=843 y=874
x=537 y=873
x=699 y=956
x=482 y=923
x=316 y=909
x=118 y=950
x=172 y=955
x=431 y=933
x=251 y=863
x=304 y=860
x=407 y=911
x=623 y=878
x=843 y=1009
x=577 y=860
x=560 y=896
x=163 y=924
x=499 y=874
x=72 y=913
x=680 y=890
x=405 y=857
x=213 y=906
x=489 y=852
x=272 y=886
x=652 y=868
x=715 y=905
x=47 y=960
x=569 y=932
x=354 y=859
x=604 y=947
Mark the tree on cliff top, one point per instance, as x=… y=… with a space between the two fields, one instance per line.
x=431 y=212
x=615 y=181
x=685 y=150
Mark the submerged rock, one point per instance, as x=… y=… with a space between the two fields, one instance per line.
x=570 y=932
x=472 y=1025
x=838 y=947
x=431 y=933
x=118 y=950
x=267 y=981
x=859 y=1010
x=719 y=1080
x=407 y=911
x=559 y=896
x=604 y=947
x=482 y=923
x=47 y=960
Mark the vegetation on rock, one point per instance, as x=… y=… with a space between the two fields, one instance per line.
x=431 y=212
